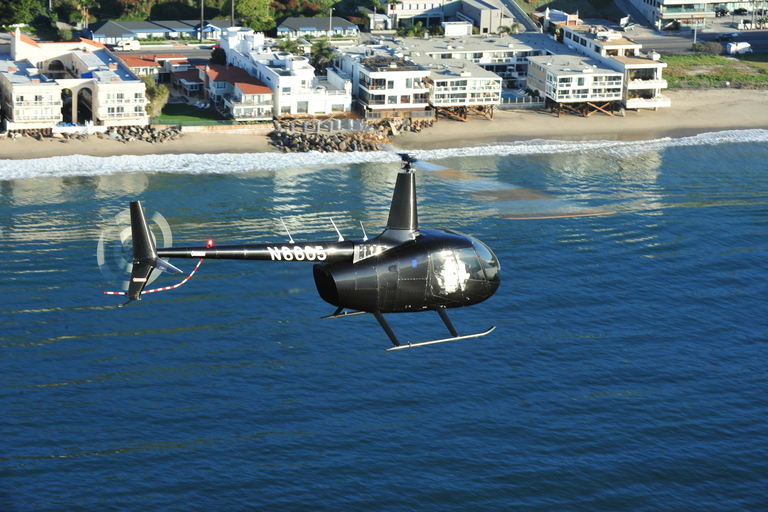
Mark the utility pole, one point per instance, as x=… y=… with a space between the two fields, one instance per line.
x=202 y=3
x=232 y=20
x=330 y=25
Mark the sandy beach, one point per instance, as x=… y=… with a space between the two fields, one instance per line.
x=692 y=112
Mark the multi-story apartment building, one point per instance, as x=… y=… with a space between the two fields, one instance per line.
x=384 y=84
x=295 y=89
x=641 y=73
x=577 y=83
x=74 y=82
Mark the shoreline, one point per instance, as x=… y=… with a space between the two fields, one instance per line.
x=693 y=112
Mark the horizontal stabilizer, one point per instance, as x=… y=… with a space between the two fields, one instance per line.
x=167 y=267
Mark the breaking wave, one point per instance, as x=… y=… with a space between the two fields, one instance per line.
x=226 y=163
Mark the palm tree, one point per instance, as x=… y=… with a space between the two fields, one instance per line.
x=509 y=29
x=84 y=6
x=376 y=4
x=391 y=4
x=322 y=54
x=290 y=46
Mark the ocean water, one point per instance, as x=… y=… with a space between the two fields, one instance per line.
x=627 y=370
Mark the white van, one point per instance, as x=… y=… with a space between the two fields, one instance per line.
x=124 y=46
x=734 y=48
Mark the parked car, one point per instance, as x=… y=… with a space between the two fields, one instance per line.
x=721 y=13
x=727 y=37
x=740 y=11
x=628 y=26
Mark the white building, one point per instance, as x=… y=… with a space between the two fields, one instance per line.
x=579 y=83
x=641 y=73
x=291 y=78
x=76 y=82
x=384 y=84
x=488 y=17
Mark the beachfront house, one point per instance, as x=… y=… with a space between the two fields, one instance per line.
x=296 y=91
x=239 y=94
x=76 y=82
x=575 y=83
x=641 y=73
x=384 y=84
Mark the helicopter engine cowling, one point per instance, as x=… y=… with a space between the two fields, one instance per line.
x=439 y=269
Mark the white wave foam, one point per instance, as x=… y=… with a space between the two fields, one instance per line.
x=82 y=165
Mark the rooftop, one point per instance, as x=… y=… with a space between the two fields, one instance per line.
x=568 y=65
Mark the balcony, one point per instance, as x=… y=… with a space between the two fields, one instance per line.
x=233 y=103
x=23 y=118
x=52 y=103
x=647 y=84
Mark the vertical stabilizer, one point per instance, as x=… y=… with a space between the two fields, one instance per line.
x=144 y=252
x=402 y=212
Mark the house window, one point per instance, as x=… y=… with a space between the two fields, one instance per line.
x=138 y=110
x=392 y=100
x=409 y=83
x=390 y=84
x=405 y=98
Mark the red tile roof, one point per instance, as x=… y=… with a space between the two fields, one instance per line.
x=253 y=86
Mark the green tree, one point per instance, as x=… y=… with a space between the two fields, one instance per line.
x=157 y=96
x=255 y=14
x=219 y=56
x=19 y=11
x=322 y=54
x=415 y=30
x=64 y=34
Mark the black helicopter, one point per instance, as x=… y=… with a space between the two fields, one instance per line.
x=404 y=269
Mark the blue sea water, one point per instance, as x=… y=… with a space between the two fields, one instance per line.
x=627 y=370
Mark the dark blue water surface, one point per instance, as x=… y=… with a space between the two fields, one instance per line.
x=627 y=371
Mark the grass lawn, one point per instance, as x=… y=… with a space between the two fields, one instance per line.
x=183 y=113
x=748 y=71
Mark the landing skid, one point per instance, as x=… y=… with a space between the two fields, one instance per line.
x=397 y=345
x=455 y=338
x=443 y=315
